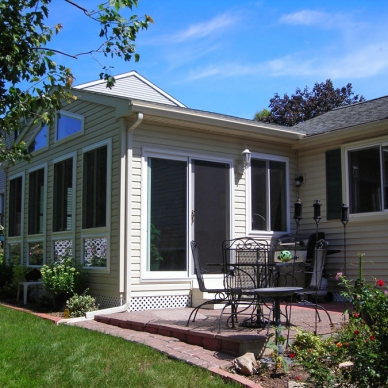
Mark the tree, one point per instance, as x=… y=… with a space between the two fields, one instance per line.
x=306 y=104
x=32 y=86
x=262 y=115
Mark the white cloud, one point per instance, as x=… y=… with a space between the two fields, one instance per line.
x=321 y=19
x=205 y=29
x=368 y=61
x=305 y=17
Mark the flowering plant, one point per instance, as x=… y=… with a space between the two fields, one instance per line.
x=361 y=344
x=60 y=278
x=369 y=301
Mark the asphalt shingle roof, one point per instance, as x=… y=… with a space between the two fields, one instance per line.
x=346 y=116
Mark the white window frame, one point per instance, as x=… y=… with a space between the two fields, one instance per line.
x=145 y=222
x=73 y=156
x=101 y=232
x=72 y=136
x=248 y=177
x=382 y=141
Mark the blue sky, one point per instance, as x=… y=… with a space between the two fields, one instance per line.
x=231 y=57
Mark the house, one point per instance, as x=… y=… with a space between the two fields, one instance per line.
x=129 y=176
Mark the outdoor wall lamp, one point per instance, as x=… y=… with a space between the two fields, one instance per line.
x=298 y=181
x=246 y=157
x=317 y=211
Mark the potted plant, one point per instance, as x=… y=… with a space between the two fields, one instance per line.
x=156 y=257
x=60 y=280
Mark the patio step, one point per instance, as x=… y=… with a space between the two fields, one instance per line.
x=236 y=344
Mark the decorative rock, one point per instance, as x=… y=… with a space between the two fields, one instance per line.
x=246 y=364
x=346 y=364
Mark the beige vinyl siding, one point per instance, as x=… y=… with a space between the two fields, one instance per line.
x=100 y=123
x=363 y=235
x=190 y=143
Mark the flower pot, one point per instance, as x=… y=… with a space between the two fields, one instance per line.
x=60 y=301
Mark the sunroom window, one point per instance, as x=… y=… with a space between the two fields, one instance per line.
x=15 y=207
x=63 y=196
x=40 y=140
x=36 y=202
x=68 y=124
x=94 y=204
x=368 y=179
x=268 y=195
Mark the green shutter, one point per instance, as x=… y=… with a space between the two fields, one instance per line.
x=333 y=184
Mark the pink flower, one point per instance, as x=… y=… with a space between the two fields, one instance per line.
x=298 y=377
x=380 y=283
x=339 y=274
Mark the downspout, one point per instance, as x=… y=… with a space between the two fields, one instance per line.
x=128 y=198
x=125 y=218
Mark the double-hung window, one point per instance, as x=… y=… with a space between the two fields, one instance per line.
x=367 y=169
x=267 y=194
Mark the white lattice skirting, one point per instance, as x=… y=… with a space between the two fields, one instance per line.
x=160 y=302
x=146 y=302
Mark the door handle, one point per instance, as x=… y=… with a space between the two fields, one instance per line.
x=192 y=217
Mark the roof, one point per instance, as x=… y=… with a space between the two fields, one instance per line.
x=131 y=85
x=346 y=116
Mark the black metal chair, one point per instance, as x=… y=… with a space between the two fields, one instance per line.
x=312 y=290
x=250 y=265
x=222 y=295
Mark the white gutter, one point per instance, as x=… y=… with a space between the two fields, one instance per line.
x=125 y=219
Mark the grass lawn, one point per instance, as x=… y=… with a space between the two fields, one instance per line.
x=36 y=353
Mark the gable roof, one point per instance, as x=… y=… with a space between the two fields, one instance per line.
x=346 y=117
x=131 y=85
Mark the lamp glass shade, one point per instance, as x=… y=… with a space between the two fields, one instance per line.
x=246 y=157
x=298 y=210
x=344 y=213
x=317 y=209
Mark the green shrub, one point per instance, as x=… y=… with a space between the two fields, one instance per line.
x=60 y=277
x=78 y=305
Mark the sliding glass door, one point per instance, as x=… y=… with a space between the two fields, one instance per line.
x=175 y=217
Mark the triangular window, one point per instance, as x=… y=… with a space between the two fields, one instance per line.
x=40 y=140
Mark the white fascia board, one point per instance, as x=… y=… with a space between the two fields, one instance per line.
x=207 y=118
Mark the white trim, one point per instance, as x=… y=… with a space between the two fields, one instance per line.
x=73 y=135
x=248 y=187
